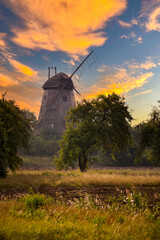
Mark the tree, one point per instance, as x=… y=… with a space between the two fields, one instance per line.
x=15 y=130
x=149 y=140
x=103 y=123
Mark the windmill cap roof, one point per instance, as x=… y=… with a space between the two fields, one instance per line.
x=59 y=81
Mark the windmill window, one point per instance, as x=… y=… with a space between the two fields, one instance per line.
x=45 y=97
x=64 y=99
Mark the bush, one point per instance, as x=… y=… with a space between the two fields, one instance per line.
x=35 y=200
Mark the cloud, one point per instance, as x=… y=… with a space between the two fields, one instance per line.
x=134 y=37
x=27 y=95
x=67 y=25
x=151 y=11
x=134 y=21
x=20 y=81
x=124 y=36
x=6 y=81
x=128 y=24
x=142 y=93
x=2 y=40
x=22 y=68
x=70 y=62
x=148 y=65
x=125 y=24
x=148 y=6
x=139 y=40
x=153 y=21
x=119 y=83
x=14 y=69
x=119 y=79
x=131 y=35
x=138 y=67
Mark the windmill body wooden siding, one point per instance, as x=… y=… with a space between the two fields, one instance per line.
x=57 y=99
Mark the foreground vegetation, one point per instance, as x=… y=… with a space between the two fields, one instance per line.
x=36 y=216
x=99 y=204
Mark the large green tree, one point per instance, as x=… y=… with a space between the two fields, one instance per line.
x=149 y=140
x=15 y=129
x=103 y=123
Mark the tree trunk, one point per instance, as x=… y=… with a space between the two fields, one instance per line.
x=82 y=162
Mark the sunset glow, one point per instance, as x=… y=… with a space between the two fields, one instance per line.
x=125 y=35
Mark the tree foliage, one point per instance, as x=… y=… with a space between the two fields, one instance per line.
x=149 y=142
x=15 y=130
x=103 y=123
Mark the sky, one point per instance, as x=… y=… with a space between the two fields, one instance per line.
x=125 y=36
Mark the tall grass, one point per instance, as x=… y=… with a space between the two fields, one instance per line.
x=52 y=178
x=50 y=220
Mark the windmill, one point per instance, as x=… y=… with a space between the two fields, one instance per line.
x=58 y=96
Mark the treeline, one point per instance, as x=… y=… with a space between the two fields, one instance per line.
x=97 y=132
x=43 y=144
x=126 y=158
x=136 y=149
x=46 y=144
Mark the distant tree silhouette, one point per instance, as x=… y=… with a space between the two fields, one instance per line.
x=149 y=141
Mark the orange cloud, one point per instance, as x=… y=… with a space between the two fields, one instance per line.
x=6 y=81
x=117 y=86
x=120 y=80
x=68 y=25
x=153 y=21
x=148 y=65
x=2 y=41
x=20 y=72
x=151 y=10
x=26 y=95
x=22 y=68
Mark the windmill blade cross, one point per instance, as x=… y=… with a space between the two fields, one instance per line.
x=85 y=60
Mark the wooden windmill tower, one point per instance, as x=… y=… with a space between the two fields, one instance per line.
x=58 y=98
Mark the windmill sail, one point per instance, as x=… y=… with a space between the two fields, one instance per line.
x=89 y=60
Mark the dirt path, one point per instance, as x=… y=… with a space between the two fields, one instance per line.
x=102 y=193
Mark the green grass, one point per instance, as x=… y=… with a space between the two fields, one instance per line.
x=53 y=178
x=126 y=216
x=50 y=219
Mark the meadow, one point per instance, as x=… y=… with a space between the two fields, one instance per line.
x=104 y=177
x=106 y=203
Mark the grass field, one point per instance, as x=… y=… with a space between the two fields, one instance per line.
x=38 y=217
x=52 y=178
x=98 y=204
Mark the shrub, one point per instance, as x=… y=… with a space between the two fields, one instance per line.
x=35 y=200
